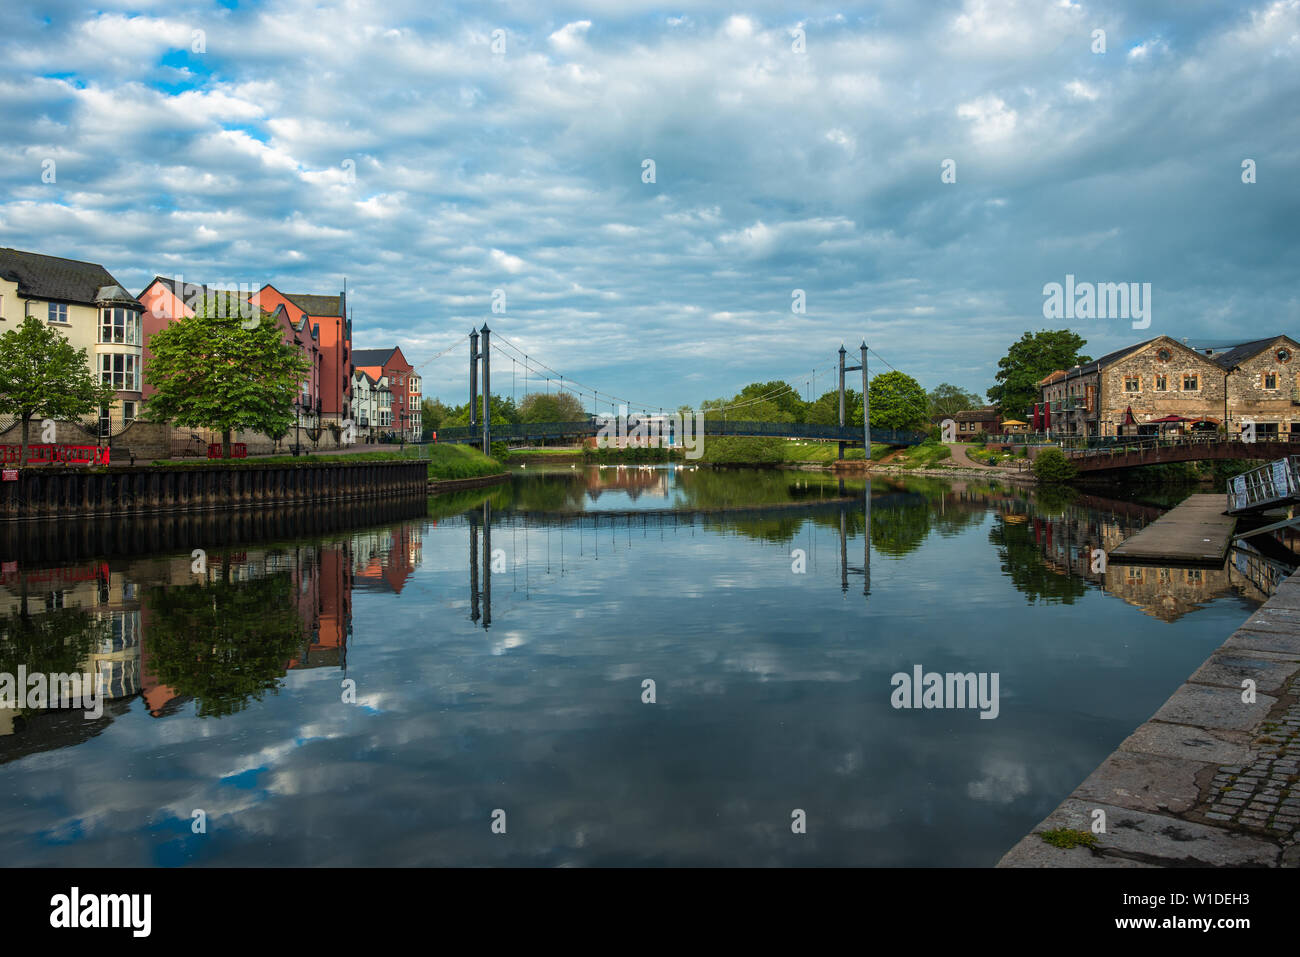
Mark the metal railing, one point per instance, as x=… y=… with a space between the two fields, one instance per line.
x=1268 y=484
x=715 y=427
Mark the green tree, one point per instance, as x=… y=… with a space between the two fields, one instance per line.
x=947 y=399
x=433 y=413
x=42 y=375
x=1052 y=467
x=504 y=412
x=212 y=372
x=897 y=402
x=825 y=409
x=1032 y=358
x=551 y=407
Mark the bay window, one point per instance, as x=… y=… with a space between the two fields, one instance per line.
x=120 y=371
x=118 y=325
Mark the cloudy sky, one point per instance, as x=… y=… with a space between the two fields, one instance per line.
x=430 y=159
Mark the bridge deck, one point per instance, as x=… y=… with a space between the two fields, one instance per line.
x=1196 y=532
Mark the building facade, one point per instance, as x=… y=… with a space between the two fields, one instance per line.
x=166 y=300
x=1163 y=384
x=404 y=385
x=372 y=403
x=333 y=331
x=90 y=309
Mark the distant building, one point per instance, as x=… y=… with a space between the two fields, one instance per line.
x=1162 y=384
x=91 y=310
x=328 y=314
x=403 y=385
x=971 y=422
x=372 y=401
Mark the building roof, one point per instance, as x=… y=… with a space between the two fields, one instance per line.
x=315 y=305
x=372 y=357
x=190 y=293
x=977 y=415
x=1241 y=352
x=61 y=280
x=1053 y=377
x=1098 y=364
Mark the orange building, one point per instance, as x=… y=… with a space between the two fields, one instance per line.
x=334 y=330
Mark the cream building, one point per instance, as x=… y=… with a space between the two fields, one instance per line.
x=92 y=311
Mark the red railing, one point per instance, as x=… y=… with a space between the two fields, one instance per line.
x=52 y=454
x=238 y=450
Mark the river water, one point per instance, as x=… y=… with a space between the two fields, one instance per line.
x=639 y=666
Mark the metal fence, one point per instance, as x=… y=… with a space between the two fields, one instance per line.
x=1266 y=485
x=715 y=427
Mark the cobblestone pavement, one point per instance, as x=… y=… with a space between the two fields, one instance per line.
x=1264 y=796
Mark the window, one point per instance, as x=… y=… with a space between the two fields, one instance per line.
x=1270 y=380
x=1190 y=382
x=1132 y=383
x=120 y=371
x=128 y=413
x=1162 y=383
x=58 y=312
x=120 y=326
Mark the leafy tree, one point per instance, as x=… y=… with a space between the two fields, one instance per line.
x=42 y=375
x=825 y=409
x=433 y=413
x=897 y=402
x=212 y=372
x=780 y=395
x=947 y=399
x=504 y=412
x=1033 y=357
x=551 y=407
x=1052 y=467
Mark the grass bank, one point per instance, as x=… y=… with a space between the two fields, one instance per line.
x=445 y=461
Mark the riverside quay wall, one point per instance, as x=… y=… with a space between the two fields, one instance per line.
x=54 y=492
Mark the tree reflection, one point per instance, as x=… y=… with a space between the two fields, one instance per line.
x=224 y=642
x=1022 y=561
x=52 y=642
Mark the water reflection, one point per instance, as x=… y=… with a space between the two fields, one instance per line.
x=498 y=639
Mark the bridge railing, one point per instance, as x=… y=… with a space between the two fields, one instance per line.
x=714 y=427
x=1112 y=445
x=1274 y=482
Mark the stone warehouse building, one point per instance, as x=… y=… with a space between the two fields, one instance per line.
x=1164 y=384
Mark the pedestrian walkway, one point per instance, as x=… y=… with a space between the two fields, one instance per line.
x=1213 y=779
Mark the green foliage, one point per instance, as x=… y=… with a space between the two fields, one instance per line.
x=551 y=407
x=433 y=413
x=225 y=642
x=1033 y=357
x=926 y=455
x=1067 y=838
x=211 y=372
x=630 y=455
x=1052 y=467
x=504 y=412
x=947 y=399
x=897 y=402
x=500 y=451
x=728 y=450
x=448 y=461
x=43 y=376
